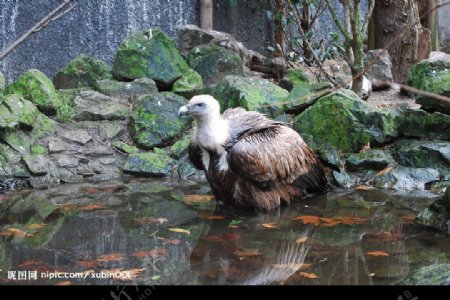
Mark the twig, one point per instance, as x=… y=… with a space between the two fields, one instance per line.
x=38 y=26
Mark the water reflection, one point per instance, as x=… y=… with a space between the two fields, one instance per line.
x=171 y=233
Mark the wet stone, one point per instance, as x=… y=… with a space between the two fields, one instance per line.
x=97 y=150
x=85 y=171
x=66 y=161
x=70 y=177
x=56 y=145
x=37 y=164
x=107 y=160
x=78 y=136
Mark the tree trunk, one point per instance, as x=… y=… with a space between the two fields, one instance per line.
x=391 y=18
x=279 y=32
x=206 y=14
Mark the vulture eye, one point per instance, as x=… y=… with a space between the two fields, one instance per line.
x=200 y=104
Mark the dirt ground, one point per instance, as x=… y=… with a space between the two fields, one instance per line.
x=391 y=98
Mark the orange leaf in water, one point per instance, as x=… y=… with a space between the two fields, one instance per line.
x=216 y=218
x=363 y=187
x=198 y=198
x=269 y=225
x=308 y=275
x=68 y=207
x=29 y=263
x=153 y=253
x=173 y=242
x=110 y=257
x=64 y=283
x=308 y=220
x=231 y=236
x=377 y=253
x=301 y=240
x=223 y=237
x=16 y=232
x=328 y=222
x=385 y=171
x=131 y=274
x=247 y=252
x=179 y=230
x=153 y=220
x=87 y=263
x=36 y=225
x=409 y=218
x=93 y=207
x=351 y=220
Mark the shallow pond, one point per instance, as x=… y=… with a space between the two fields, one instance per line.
x=158 y=232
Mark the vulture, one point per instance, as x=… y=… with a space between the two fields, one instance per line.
x=251 y=161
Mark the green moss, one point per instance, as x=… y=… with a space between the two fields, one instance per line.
x=436 y=274
x=419 y=123
x=130 y=149
x=38 y=149
x=18 y=140
x=34 y=86
x=83 y=71
x=251 y=93
x=43 y=126
x=2 y=83
x=190 y=83
x=180 y=147
x=148 y=164
x=7 y=119
x=151 y=54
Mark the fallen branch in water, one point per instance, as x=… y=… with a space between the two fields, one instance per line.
x=39 y=26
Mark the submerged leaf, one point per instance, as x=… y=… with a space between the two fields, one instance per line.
x=173 y=242
x=198 y=198
x=30 y=263
x=223 y=237
x=16 y=232
x=36 y=225
x=179 y=230
x=364 y=187
x=152 y=220
x=308 y=275
x=87 y=263
x=110 y=257
x=93 y=207
x=216 y=218
x=247 y=252
x=308 y=219
x=409 y=218
x=301 y=240
x=153 y=253
x=385 y=171
x=64 y=283
x=377 y=253
x=270 y=225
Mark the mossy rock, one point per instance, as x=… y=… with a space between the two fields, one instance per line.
x=303 y=95
x=213 y=63
x=432 y=75
x=18 y=140
x=38 y=149
x=34 y=86
x=421 y=124
x=436 y=274
x=151 y=54
x=293 y=77
x=373 y=159
x=125 y=90
x=155 y=122
x=251 y=93
x=179 y=148
x=93 y=106
x=422 y=154
x=189 y=84
x=83 y=71
x=124 y=147
x=347 y=123
x=148 y=164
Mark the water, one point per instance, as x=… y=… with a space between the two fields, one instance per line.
x=157 y=232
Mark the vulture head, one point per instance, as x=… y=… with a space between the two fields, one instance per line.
x=201 y=107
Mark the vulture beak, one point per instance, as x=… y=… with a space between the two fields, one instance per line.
x=184 y=110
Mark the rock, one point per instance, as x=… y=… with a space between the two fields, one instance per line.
x=295 y=76
x=419 y=123
x=149 y=54
x=251 y=93
x=66 y=161
x=93 y=106
x=148 y=164
x=56 y=145
x=191 y=36
x=35 y=204
x=343 y=179
x=422 y=154
x=68 y=176
x=303 y=95
x=379 y=73
x=111 y=130
x=373 y=159
x=213 y=63
x=179 y=148
x=34 y=86
x=339 y=70
x=406 y=178
x=37 y=164
x=18 y=140
x=107 y=160
x=96 y=150
x=155 y=122
x=124 y=147
x=189 y=84
x=436 y=274
x=432 y=75
x=83 y=71
x=125 y=90
x=187 y=171
x=19 y=111
x=85 y=171
x=38 y=149
x=7 y=119
x=78 y=136
x=344 y=121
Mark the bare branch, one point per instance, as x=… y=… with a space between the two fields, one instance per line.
x=38 y=26
x=368 y=15
x=341 y=27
